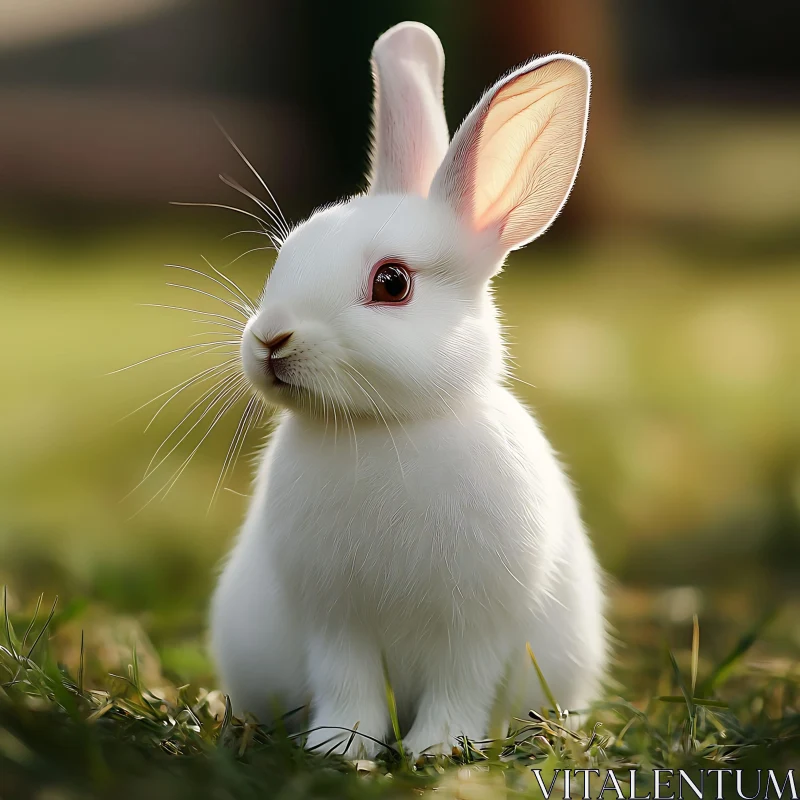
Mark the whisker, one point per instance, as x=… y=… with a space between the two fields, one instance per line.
x=325 y=410
x=238 y=307
x=233 y=491
x=351 y=427
x=229 y=404
x=172 y=480
x=181 y=385
x=235 y=446
x=278 y=230
x=342 y=408
x=263 y=420
x=220 y=370
x=239 y=233
x=263 y=222
x=219 y=342
x=227 y=383
x=220 y=394
x=519 y=380
x=237 y=323
x=386 y=405
x=229 y=386
x=220 y=332
x=227 y=329
x=247 y=253
x=231 y=448
x=235 y=285
x=380 y=414
x=255 y=172
x=255 y=416
x=227 y=347
x=240 y=296
x=162 y=355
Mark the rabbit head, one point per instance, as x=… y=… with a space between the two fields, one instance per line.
x=381 y=305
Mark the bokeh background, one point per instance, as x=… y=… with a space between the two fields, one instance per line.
x=656 y=328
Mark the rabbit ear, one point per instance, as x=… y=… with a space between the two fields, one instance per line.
x=409 y=129
x=512 y=163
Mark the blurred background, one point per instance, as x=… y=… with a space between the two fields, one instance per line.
x=656 y=327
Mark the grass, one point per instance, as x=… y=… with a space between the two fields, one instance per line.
x=78 y=733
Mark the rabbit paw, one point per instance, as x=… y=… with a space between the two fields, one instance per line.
x=430 y=742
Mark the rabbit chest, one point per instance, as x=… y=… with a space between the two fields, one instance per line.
x=429 y=518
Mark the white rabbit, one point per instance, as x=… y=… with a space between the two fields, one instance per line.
x=408 y=507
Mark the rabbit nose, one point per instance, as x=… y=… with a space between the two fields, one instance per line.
x=277 y=341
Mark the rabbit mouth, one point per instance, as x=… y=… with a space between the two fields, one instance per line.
x=273 y=368
x=276 y=371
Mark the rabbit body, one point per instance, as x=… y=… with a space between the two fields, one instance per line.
x=408 y=513
x=444 y=546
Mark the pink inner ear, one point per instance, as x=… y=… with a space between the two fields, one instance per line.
x=513 y=162
x=505 y=150
x=529 y=150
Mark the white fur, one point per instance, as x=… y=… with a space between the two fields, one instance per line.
x=407 y=506
x=409 y=129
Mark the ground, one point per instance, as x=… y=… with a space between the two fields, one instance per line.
x=141 y=735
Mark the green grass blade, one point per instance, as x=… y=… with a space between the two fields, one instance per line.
x=545 y=686
x=391 y=702
x=33 y=621
x=723 y=669
x=679 y=698
x=223 y=738
x=44 y=627
x=687 y=696
x=9 y=628
x=81 y=667
x=695 y=651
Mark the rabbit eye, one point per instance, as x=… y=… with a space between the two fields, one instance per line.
x=391 y=284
